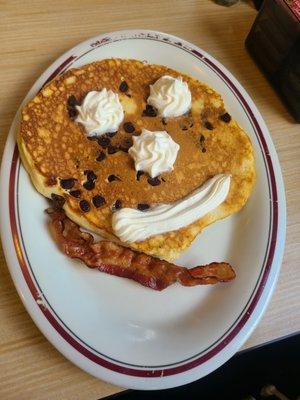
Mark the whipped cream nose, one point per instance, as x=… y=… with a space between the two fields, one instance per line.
x=100 y=112
x=154 y=152
x=170 y=96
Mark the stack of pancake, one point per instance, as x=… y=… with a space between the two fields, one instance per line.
x=96 y=176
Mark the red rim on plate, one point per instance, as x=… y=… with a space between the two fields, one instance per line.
x=226 y=339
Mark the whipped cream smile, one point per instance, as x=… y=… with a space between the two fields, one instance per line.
x=100 y=112
x=170 y=96
x=132 y=225
x=154 y=152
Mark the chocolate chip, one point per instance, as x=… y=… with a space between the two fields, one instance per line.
x=98 y=201
x=84 y=205
x=101 y=156
x=67 y=183
x=149 y=111
x=90 y=175
x=164 y=122
x=208 y=125
x=75 y=193
x=112 y=178
x=72 y=113
x=139 y=174
x=202 y=138
x=129 y=127
x=225 y=118
x=112 y=134
x=92 y=138
x=123 y=87
x=184 y=128
x=103 y=141
x=125 y=146
x=117 y=205
x=154 y=181
x=51 y=181
x=124 y=149
x=112 y=149
x=89 y=185
x=143 y=206
x=128 y=142
x=58 y=201
x=72 y=101
x=204 y=150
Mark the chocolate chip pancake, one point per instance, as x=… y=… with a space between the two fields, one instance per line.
x=96 y=176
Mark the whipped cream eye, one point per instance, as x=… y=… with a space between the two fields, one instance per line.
x=154 y=152
x=170 y=96
x=100 y=112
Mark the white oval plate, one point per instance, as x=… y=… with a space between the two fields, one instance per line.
x=114 y=328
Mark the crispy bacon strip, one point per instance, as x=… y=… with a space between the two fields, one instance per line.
x=118 y=260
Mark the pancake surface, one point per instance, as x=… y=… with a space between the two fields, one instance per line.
x=54 y=147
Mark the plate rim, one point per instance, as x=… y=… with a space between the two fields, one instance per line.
x=57 y=67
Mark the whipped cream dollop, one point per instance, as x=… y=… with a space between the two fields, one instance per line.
x=132 y=225
x=154 y=152
x=170 y=96
x=100 y=112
